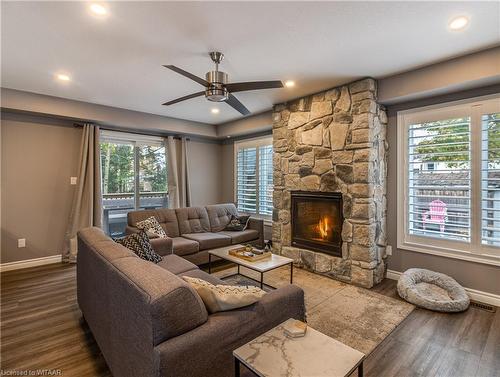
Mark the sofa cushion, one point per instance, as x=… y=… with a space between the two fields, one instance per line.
x=166 y=217
x=182 y=246
x=150 y=294
x=139 y=244
x=219 y=298
x=176 y=264
x=220 y=215
x=152 y=227
x=238 y=223
x=170 y=223
x=162 y=246
x=192 y=220
x=241 y=236
x=209 y=240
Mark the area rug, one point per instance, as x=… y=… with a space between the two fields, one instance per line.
x=355 y=316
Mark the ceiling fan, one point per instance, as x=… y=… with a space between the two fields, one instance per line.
x=217 y=89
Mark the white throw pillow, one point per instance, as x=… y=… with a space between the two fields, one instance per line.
x=218 y=298
x=152 y=228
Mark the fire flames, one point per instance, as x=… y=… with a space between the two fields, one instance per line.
x=323 y=227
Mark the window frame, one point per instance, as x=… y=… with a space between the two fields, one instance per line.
x=474 y=250
x=250 y=143
x=135 y=141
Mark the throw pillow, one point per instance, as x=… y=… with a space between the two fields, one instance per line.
x=140 y=245
x=218 y=298
x=238 y=223
x=152 y=227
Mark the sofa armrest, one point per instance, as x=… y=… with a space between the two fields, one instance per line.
x=258 y=225
x=210 y=345
x=163 y=246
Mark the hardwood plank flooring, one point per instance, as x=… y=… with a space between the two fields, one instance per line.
x=41 y=328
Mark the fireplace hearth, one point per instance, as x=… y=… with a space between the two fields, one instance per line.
x=317 y=221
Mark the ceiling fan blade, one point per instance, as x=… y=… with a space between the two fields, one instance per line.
x=237 y=105
x=182 y=72
x=184 y=98
x=253 y=85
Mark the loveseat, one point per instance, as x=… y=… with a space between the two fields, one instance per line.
x=148 y=321
x=192 y=231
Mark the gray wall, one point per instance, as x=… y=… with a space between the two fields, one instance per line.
x=472 y=275
x=463 y=73
x=205 y=172
x=104 y=115
x=38 y=157
x=37 y=163
x=227 y=167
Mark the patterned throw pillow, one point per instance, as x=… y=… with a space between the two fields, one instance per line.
x=140 y=245
x=238 y=223
x=218 y=298
x=152 y=227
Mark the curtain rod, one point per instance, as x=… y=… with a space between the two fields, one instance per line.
x=119 y=129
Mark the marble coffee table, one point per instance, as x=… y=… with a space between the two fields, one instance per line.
x=274 y=354
x=261 y=266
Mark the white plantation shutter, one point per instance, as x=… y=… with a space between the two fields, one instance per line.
x=246 y=180
x=266 y=180
x=439 y=179
x=449 y=180
x=490 y=179
x=254 y=176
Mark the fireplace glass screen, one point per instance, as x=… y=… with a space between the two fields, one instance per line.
x=317 y=221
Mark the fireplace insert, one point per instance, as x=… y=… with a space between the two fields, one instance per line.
x=317 y=221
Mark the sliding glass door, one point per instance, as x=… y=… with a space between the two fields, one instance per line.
x=134 y=176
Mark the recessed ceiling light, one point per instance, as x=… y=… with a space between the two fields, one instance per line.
x=458 y=23
x=289 y=84
x=98 y=9
x=215 y=110
x=63 y=77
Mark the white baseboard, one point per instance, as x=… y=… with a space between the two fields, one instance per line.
x=474 y=294
x=30 y=263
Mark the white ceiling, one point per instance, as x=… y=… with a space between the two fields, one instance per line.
x=117 y=60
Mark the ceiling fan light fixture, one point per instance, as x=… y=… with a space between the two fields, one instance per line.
x=216 y=94
x=215 y=110
x=217 y=88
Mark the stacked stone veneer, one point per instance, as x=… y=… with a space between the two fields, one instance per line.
x=335 y=141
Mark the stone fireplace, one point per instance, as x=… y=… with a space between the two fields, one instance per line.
x=332 y=145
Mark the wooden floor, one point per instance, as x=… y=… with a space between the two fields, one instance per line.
x=41 y=328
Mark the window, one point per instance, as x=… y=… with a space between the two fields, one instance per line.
x=254 y=176
x=134 y=176
x=449 y=180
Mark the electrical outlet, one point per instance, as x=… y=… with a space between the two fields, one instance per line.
x=21 y=242
x=72 y=180
x=388 y=250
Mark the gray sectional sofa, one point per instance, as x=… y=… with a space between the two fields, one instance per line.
x=192 y=231
x=148 y=321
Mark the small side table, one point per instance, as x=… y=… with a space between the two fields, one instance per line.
x=315 y=354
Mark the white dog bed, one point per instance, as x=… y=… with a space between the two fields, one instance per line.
x=432 y=290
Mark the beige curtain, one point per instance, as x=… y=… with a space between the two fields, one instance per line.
x=179 y=190
x=86 y=208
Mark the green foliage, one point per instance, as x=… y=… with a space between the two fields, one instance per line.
x=153 y=169
x=452 y=133
x=117 y=165
x=491 y=132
